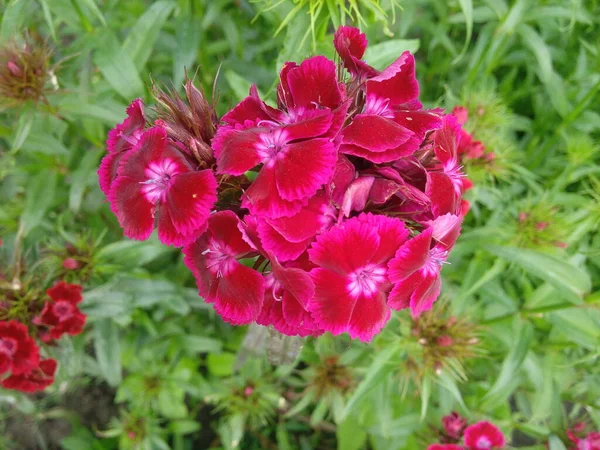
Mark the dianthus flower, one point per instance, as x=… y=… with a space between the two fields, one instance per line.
x=37 y=379
x=61 y=315
x=483 y=436
x=19 y=353
x=322 y=213
x=445 y=447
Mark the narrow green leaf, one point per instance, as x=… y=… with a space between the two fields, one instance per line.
x=187 y=42
x=350 y=435
x=554 y=443
x=118 y=68
x=504 y=384
x=283 y=437
x=570 y=279
x=131 y=253
x=82 y=178
x=378 y=370
x=425 y=394
x=141 y=38
x=467 y=9
x=23 y=128
x=383 y=54
x=91 y=5
x=40 y=195
x=48 y=17
x=106 y=346
x=238 y=84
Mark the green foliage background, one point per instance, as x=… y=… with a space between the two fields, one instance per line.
x=157 y=369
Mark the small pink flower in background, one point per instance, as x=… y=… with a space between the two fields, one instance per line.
x=61 y=315
x=577 y=436
x=483 y=436
x=35 y=380
x=454 y=425
x=70 y=264
x=461 y=113
x=19 y=353
x=157 y=182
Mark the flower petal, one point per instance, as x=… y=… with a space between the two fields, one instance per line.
x=426 y=293
x=331 y=307
x=237 y=152
x=314 y=81
x=392 y=234
x=120 y=138
x=134 y=211
x=397 y=82
x=369 y=316
x=410 y=257
x=281 y=247
x=240 y=295
x=304 y=168
x=375 y=133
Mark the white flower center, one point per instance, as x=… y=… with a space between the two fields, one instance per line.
x=366 y=281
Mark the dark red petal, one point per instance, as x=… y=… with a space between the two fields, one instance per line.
x=195 y=260
x=442 y=194
x=304 y=168
x=410 y=257
x=107 y=172
x=331 y=306
x=277 y=244
x=284 y=96
x=382 y=190
x=402 y=291
x=425 y=294
x=357 y=195
x=396 y=82
x=351 y=41
x=392 y=234
x=239 y=295
x=168 y=234
x=343 y=175
x=263 y=198
x=375 y=133
x=419 y=122
x=238 y=151
x=314 y=81
x=446 y=230
x=223 y=226
x=369 y=316
x=296 y=282
x=251 y=108
x=445 y=141
x=134 y=211
x=406 y=149
x=445 y=447
x=37 y=380
x=120 y=137
x=65 y=291
x=310 y=220
x=346 y=247
x=311 y=123
x=190 y=198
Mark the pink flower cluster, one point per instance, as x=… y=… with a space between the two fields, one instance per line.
x=479 y=436
x=348 y=201
x=19 y=353
x=582 y=441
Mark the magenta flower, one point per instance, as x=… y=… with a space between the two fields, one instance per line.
x=19 y=353
x=157 y=182
x=392 y=125
x=121 y=140
x=351 y=282
x=288 y=291
x=351 y=44
x=484 y=436
x=416 y=267
x=237 y=291
x=454 y=424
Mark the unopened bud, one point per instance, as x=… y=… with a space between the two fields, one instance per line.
x=444 y=341
x=523 y=216
x=541 y=226
x=248 y=390
x=14 y=69
x=131 y=435
x=70 y=264
x=451 y=321
x=438 y=368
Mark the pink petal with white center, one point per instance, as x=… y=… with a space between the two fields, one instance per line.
x=369 y=316
x=446 y=230
x=483 y=436
x=375 y=133
x=240 y=295
x=237 y=151
x=357 y=195
x=190 y=199
x=124 y=135
x=442 y=193
x=263 y=199
x=346 y=247
x=304 y=167
x=410 y=257
x=133 y=210
x=343 y=174
x=316 y=216
x=392 y=234
x=331 y=307
x=397 y=82
x=314 y=82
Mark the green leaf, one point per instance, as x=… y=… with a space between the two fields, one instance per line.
x=505 y=383
x=187 y=42
x=378 y=370
x=571 y=280
x=238 y=84
x=141 y=38
x=350 y=435
x=131 y=253
x=184 y=426
x=23 y=128
x=467 y=9
x=200 y=344
x=13 y=18
x=108 y=354
x=554 y=443
x=40 y=195
x=283 y=437
x=82 y=178
x=91 y=6
x=118 y=68
x=425 y=395
x=48 y=17
x=383 y=54
x=220 y=365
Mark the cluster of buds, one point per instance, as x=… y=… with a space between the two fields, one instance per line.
x=22 y=366
x=479 y=436
x=322 y=214
x=470 y=149
x=444 y=342
x=581 y=440
x=541 y=225
x=24 y=71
